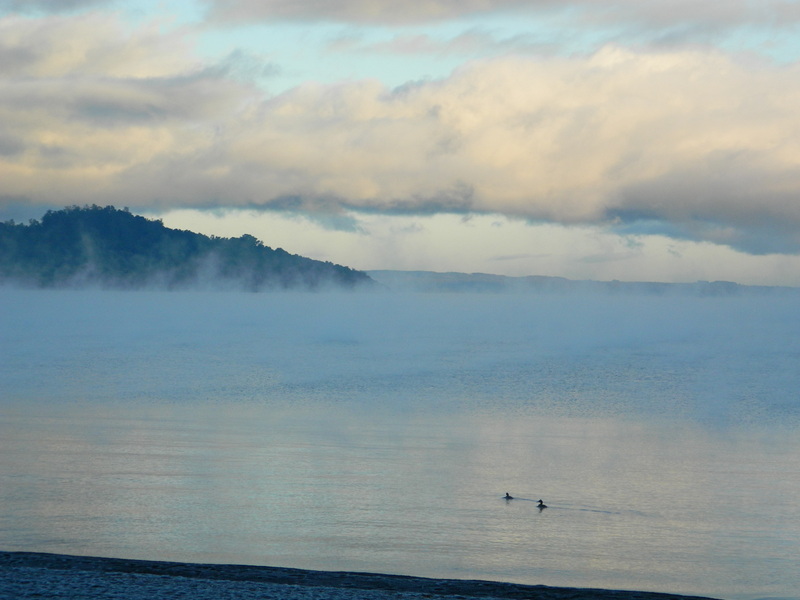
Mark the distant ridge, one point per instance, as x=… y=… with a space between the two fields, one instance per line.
x=105 y=247
x=430 y=281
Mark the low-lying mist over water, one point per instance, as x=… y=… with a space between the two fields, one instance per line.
x=380 y=431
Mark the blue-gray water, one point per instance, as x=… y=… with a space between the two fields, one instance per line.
x=379 y=432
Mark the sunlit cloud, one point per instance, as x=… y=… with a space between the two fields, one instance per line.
x=661 y=138
x=96 y=44
x=87 y=101
x=654 y=12
x=694 y=140
x=355 y=11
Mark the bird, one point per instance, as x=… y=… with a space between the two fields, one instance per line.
x=509 y=496
x=542 y=505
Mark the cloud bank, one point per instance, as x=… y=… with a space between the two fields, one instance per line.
x=658 y=13
x=688 y=143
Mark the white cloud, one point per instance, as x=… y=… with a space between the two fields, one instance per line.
x=704 y=147
x=354 y=11
x=84 y=101
x=690 y=139
x=652 y=13
x=92 y=45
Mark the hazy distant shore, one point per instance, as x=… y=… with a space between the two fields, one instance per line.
x=35 y=575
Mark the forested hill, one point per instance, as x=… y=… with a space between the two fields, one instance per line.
x=105 y=247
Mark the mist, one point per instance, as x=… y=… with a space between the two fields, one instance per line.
x=700 y=358
x=378 y=431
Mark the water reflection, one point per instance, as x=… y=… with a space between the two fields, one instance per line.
x=629 y=505
x=380 y=434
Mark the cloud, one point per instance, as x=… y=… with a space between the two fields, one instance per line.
x=471 y=43
x=726 y=199
x=48 y=6
x=84 y=101
x=690 y=143
x=652 y=14
x=93 y=45
x=354 y=11
x=691 y=139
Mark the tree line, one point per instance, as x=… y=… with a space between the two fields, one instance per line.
x=111 y=248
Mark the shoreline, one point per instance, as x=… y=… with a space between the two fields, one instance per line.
x=127 y=578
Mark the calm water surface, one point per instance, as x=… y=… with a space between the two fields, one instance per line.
x=380 y=432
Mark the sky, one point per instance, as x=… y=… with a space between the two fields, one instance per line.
x=588 y=139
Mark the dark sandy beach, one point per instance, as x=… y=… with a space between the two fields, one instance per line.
x=35 y=575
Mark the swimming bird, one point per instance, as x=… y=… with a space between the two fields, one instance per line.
x=542 y=505
x=509 y=496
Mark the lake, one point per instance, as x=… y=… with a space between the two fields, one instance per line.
x=379 y=432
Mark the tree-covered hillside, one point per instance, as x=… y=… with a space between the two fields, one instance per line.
x=106 y=247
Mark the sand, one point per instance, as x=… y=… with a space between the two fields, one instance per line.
x=57 y=576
